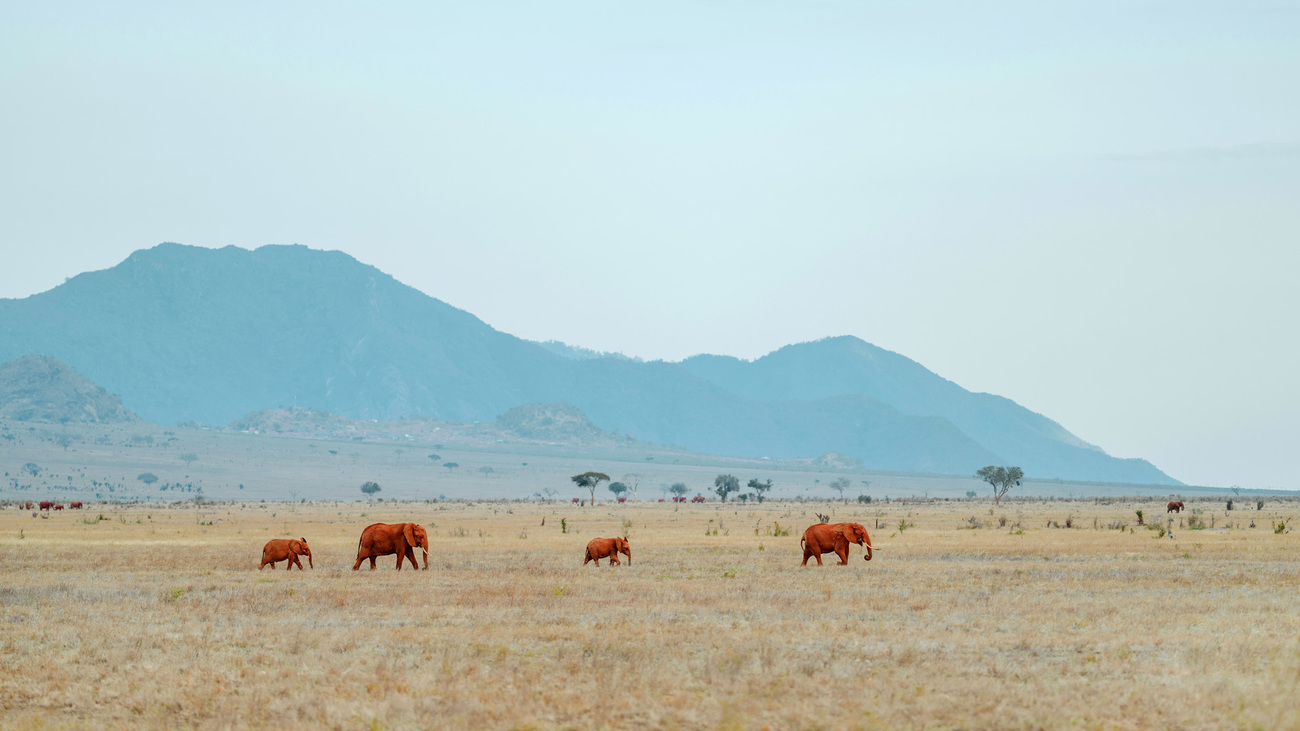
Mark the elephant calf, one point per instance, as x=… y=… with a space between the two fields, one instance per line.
x=279 y=549
x=599 y=548
x=822 y=538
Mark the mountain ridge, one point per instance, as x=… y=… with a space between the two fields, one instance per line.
x=188 y=333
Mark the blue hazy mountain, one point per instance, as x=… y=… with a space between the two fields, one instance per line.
x=185 y=333
x=846 y=365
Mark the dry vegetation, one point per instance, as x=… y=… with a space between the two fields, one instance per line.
x=157 y=617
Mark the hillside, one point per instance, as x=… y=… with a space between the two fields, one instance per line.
x=848 y=366
x=39 y=388
x=187 y=333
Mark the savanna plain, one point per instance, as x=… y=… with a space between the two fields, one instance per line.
x=970 y=615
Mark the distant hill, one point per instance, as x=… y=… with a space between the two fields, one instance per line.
x=846 y=365
x=549 y=421
x=38 y=388
x=209 y=335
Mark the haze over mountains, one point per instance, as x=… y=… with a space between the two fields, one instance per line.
x=186 y=333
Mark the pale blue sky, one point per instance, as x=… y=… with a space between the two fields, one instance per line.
x=1088 y=207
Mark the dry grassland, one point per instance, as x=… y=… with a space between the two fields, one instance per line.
x=153 y=618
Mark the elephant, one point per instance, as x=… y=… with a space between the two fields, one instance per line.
x=279 y=549
x=382 y=539
x=1174 y=508
x=599 y=548
x=823 y=538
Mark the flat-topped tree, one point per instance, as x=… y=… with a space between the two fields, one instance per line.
x=759 y=488
x=1001 y=478
x=590 y=480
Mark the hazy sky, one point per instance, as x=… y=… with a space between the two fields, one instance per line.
x=1092 y=208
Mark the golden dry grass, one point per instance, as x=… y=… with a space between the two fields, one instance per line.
x=149 y=619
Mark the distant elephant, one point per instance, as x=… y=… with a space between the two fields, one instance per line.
x=599 y=548
x=75 y=505
x=382 y=539
x=1174 y=508
x=823 y=538
x=279 y=549
x=46 y=505
x=59 y=506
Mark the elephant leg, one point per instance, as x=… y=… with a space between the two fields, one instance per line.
x=843 y=553
x=613 y=559
x=372 y=563
x=357 y=565
x=819 y=557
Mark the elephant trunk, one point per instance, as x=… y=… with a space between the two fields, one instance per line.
x=628 y=553
x=867 y=555
x=309 y=563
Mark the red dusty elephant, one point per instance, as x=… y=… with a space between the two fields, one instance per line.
x=46 y=505
x=599 y=548
x=76 y=505
x=279 y=549
x=1174 y=507
x=823 y=538
x=383 y=539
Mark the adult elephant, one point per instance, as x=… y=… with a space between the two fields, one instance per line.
x=835 y=538
x=1174 y=508
x=279 y=549
x=383 y=539
x=599 y=548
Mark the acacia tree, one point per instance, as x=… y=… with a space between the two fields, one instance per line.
x=723 y=484
x=370 y=488
x=618 y=489
x=1002 y=479
x=759 y=488
x=840 y=485
x=589 y=480
x=450 y=465
x=633 y=480
x=188 y=458
x=678 y=489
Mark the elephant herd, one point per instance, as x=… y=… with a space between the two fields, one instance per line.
x=383 y=539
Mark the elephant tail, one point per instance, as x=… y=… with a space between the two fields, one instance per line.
x=803 y=543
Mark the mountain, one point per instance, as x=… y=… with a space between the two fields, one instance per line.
x=846 y=365
x=187 y=333
x=39 y=388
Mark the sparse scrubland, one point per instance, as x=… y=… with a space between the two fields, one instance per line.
x=155 y=616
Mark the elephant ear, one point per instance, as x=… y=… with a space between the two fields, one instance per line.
x=409 y=531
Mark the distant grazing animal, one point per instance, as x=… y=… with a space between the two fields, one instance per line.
x=279 y=549
x=577 y=500
x=622 y=500
x=29 y=504
x=599 y=548
x=58 y=507
x=45 y=505
x=1174 y=508
x=383 y=539
x=835 y=538
x=698 y=499
x=75 y=506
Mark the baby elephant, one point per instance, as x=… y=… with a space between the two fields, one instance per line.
x=279 y=549
x=601 y=547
